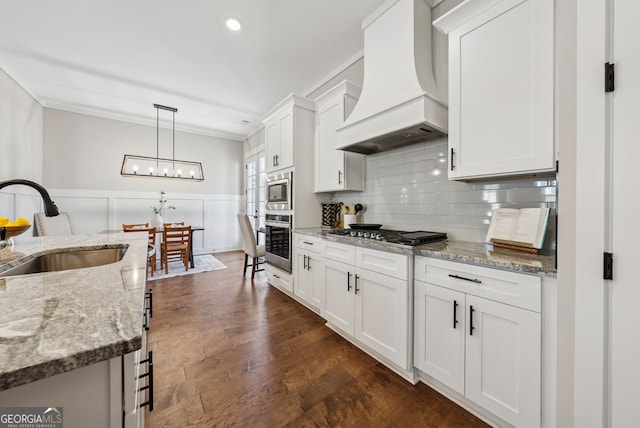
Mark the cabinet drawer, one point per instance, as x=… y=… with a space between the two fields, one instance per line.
x=308 y=243
x=279 y=279
x=512 y=288
x=339 y=252
x=391 y=264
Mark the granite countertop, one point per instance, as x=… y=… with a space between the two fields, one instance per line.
x=55 y=322
x=481 y=254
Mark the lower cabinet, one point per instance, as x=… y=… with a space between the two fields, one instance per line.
x=483 y=349
x=339 y=297
x=503 y=360
x=309 y=284
x=371 y=307
x=440 y=334
x=279 y=278
x=381 y=314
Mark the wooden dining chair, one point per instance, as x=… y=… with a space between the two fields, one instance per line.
x=181 y=223
x=134 y=225
x=175 y=245
x=152 y=259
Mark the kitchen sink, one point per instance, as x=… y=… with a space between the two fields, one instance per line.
x=67 y=260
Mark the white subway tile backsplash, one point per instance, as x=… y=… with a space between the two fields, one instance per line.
x=408 y=189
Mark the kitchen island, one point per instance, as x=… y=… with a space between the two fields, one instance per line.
x=55 y=326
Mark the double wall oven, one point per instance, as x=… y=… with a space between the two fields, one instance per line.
x=279 y=220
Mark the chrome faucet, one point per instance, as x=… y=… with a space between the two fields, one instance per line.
x=50 y=209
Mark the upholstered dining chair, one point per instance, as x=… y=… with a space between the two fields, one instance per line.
x=256 y=252
x=175 y=245
x=152 y=258
x=53 y=226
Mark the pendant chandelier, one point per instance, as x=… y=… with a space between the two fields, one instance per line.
x=145 y=166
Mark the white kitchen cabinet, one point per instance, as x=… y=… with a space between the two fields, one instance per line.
x=339 y=299
x=336 y=170
x=309 y=284
x=382 y=314
x=440 y=334
x=371 y=307
x=339 y=252
x=503 y=355
x=279 y=278
x=471 y=340
x=501 y=87
x=284 y=125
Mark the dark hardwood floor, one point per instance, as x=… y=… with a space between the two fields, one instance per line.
x=229 y=352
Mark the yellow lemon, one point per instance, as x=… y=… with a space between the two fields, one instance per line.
x=21 y=221
x=4 y=221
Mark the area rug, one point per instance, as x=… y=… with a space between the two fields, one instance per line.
x=203 y=263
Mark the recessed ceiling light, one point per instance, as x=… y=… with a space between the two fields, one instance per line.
x=233 y=23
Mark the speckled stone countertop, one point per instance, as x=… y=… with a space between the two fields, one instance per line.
x=54 y=322
x=458 y=251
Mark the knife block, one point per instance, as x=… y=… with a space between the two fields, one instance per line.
x=330 y=215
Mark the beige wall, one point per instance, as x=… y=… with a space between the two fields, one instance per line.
x=20 y=132
x=85 y=152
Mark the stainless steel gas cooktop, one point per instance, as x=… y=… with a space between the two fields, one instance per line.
x=392 y=236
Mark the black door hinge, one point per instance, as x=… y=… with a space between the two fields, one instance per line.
x=609 y=76
x=608 y=266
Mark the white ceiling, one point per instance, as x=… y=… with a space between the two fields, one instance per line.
x=117 y=58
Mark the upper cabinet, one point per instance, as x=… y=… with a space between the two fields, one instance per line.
x=282 y=130
x=501 y=80
x=336 y=170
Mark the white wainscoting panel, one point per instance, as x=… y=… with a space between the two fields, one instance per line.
x=94 y=211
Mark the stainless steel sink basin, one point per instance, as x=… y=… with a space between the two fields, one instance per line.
x=66 y=260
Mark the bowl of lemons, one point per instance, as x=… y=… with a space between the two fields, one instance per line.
x=10 y=228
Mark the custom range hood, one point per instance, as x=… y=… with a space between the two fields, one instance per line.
x=401 y=102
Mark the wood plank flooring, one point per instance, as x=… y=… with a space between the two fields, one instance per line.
x=229 y=352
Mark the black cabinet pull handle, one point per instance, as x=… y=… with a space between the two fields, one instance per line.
x=348 y=281
x=307 y=242
x=452 y=166
x=455 y=311
x=308 y=262
x=339 y=177
x=147 y=318
x=304 y=263
x=471 y=327
x=149 y=296
x=149 y=385
x=477 y=281
x=356 y=283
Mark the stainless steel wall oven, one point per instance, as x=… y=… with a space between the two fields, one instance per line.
x=278 y=240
